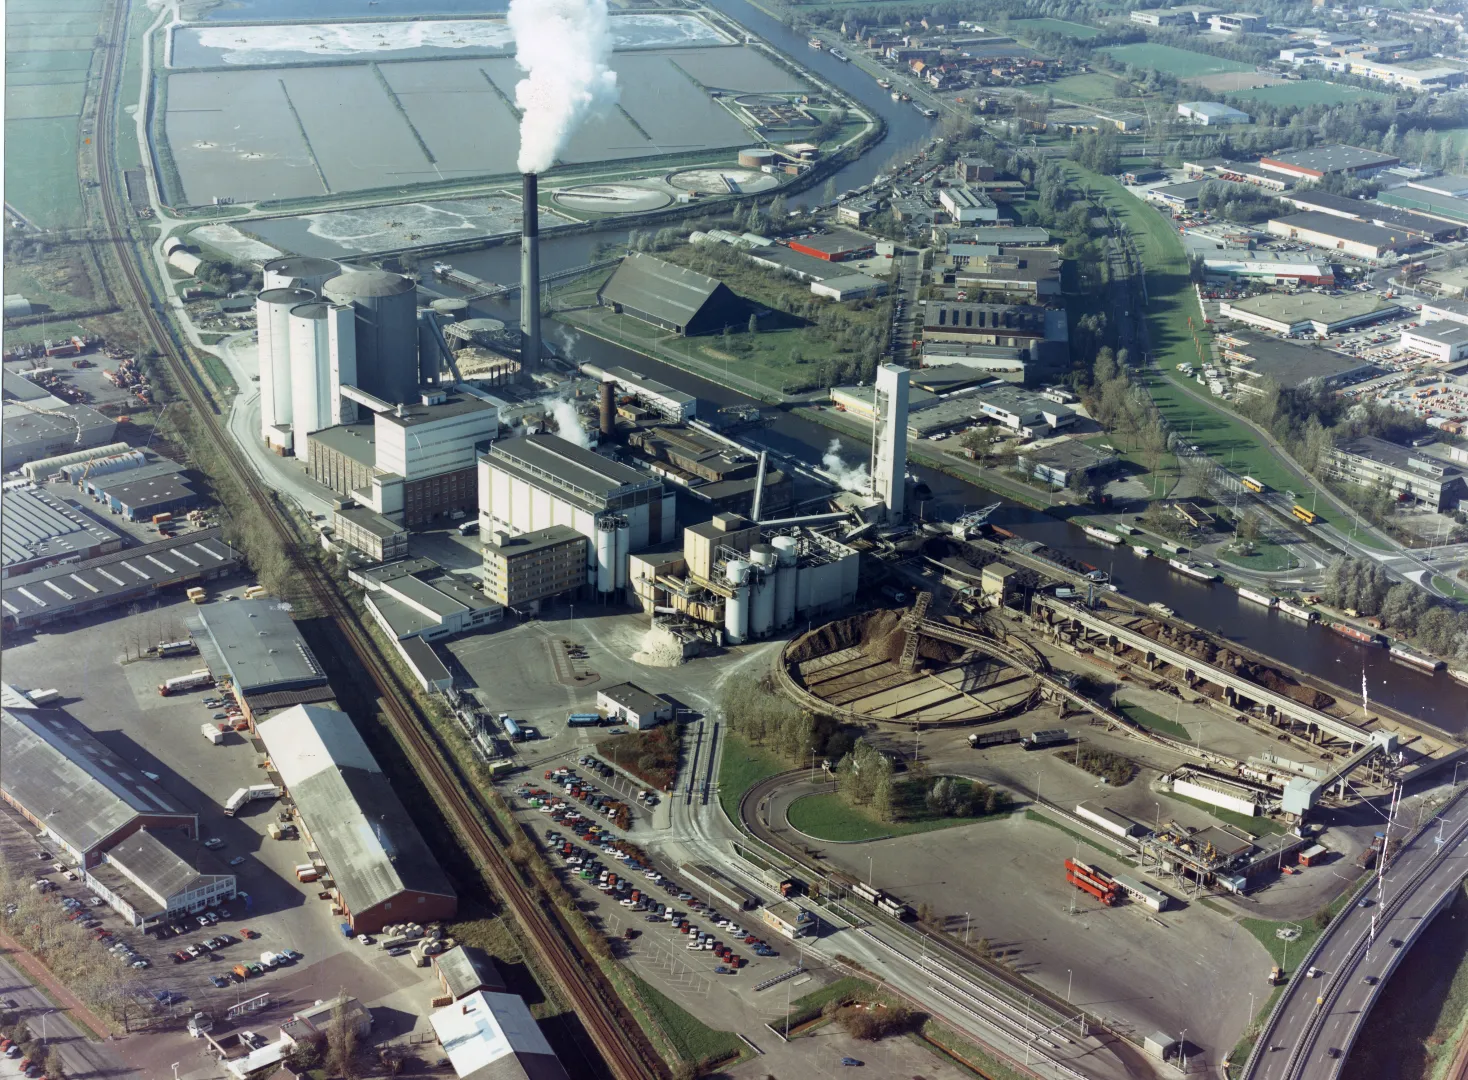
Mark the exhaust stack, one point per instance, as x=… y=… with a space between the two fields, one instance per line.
x=608 y=418
x=530 y=275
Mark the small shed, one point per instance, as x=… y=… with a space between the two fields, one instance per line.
x=995 y=579
x=1313 y=855
x=1159 y=1045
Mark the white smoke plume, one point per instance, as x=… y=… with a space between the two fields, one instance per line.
x=563 y=46
x=847 y=477
x=568 y=424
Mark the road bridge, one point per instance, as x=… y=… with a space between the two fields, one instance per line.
x=1316 y=1021
x=1193 y=669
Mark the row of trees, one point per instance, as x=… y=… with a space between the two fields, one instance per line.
x=1405 y=610
x=756 y=711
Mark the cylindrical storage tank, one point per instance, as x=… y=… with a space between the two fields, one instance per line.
x=272 y=321
x=785 y=559
x=624 y=550
x=451 y=308
x=310 y=369
x=756 y=158
x=387 y=330
x=736 y=608
x=606 y=555
x=762 y=602
x=299 y=272
x=763 y=555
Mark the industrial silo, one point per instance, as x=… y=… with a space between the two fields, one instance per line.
x=451 y=308
x=624 y=550
x=736 y=608
x=272 y=320
x=387 y=330
x=786 y=556
x=299 y=272
x=762 y=590
x=606 y=554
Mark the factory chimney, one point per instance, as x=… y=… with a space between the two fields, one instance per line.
x=608 y=419
x=530 y=275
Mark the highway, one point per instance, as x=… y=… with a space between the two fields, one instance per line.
x=1310 y=1032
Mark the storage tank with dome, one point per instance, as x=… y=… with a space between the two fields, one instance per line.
x=299 y=272
x=386 y=311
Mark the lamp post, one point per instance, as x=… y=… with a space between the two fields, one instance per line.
x=965 y=929
x=1182 y=1051
x=869 y=871
x=1070 y=976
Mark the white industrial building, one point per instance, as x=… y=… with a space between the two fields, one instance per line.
x=1444 y=341
x=1215 y=792
x=889 y=476
x=965 y=205
x=417 y=598
x=1211 y=113
x=536 y=481
x=630 y=704
x=1024 y=412
x=490 y=1036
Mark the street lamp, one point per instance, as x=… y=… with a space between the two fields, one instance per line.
x=869 y=871
x=965 y=929
x=1182 y=1051
x=1069 y=983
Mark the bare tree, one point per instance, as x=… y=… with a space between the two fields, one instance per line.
x=341 y=1043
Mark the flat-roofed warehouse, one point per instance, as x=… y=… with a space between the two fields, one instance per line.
x=154 y=875
x=1254 y=357
x=55 y=593
x=1333 y=233
x=255 y=645
x=1387 y=217
x=678 y=300
x=1444 y=341
x=1306 y=313
x=1322 y=161
x=1442 y=207
x=71 y=787
x=379 y=866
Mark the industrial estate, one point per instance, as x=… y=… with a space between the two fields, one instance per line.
x=577 y=540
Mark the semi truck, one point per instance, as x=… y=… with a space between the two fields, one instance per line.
x=250 y=794
x=199 y=679
x=1042 y=739
x=980 y=739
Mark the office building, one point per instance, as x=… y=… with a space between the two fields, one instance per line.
x=1444 y=341
x=1023 y=412
x=522 y=570
x=158 y=875
x=1237 y=23
x=966 y=206
x=1369 y=462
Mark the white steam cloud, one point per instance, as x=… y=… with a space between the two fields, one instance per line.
x=563 y=46
x=568 y=424
x=848 y=477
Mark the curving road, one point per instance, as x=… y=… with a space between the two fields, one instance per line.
x=1316 y=1020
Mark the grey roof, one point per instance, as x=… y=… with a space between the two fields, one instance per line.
x=54 y=591
x=17 y=387
x=356 y=441
x=1336 y=158
x=1362 y=210
x=1012 y=319
x=351 y=284
x=425 y=661
x=1358 y=232
x=1069 y=454
x=372 y=849
x=300 y=266
x=56 y=770
x=259 y=646
x=37 y=525
x=107 y=482
x=797 y=263
x=634 y=698
x=414 y=413
x=530 y=542
x=1444 y=332
x=1211 y=108
x=551 y=462
x=1395 y=456
x=466 y=968
x=139 y=494
x=659 y=288
x=370 y=520
x=1313 y=307
x=163 y=861
x=47 y=431
x=1190 y=190
x=998 y=234
x=839 y=241
x=1291 y=363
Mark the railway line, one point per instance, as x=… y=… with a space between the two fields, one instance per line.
x=610 y=1027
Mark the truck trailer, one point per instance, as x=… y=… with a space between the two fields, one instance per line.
x=1092 y=881
x=1042 y=739
x=980 y=739
x=182 y=684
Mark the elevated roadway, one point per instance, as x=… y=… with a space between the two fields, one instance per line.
x=1316 y=1021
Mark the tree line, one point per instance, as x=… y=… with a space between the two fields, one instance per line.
x=1405 y=609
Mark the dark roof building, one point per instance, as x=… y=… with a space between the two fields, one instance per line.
x=256 y=644
x=378 y=863
x=140 y=498
x=465 y=969
x=679 y=300
x=1375 y=213
x=71 y=787
x=156 y=874
x=1256 y=357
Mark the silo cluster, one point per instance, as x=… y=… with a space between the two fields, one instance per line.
x=736 y=607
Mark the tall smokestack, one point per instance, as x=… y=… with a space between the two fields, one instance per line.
x=608 y=409
x=530 y=275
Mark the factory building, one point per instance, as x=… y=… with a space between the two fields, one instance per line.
x=1322 y=161
x=376 y=863
x=712 y=470
x=142 y=494
x=254 y=648
x=630 y=704
x=1369 y=462
x=744 y=581
x=38 y=528
x=1025 y=274
x=56 y=593
x=1237 y=23
x=384 y=309
x=1447 y=208
x=966 y=206
x=1413 y=224
x=1212 y=113
x=1308 y=313
x=660 y=397
x=849 y=287
x=1254 y=357
x=1179 y=196
x=1029 y=414
x=521 y=571
x=415 y=462
x=1271 y=271
x=157 y=875
x=490 y=1036
x=668 y=296
x=49 y=426
x=1005 y=325
x=835 y=245
x=535 y=481
x=1057 y=463
x=1446 y=342
x=378 y=537
x=1356 y=238
x=417 y=598
x=72 y=788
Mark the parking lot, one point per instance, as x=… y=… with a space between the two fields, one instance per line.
x=119 y=702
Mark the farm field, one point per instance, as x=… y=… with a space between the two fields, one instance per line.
x=1086 y=89
x=48 y=53
x=1056 y=26
x=1181 y=63
x=1309 y=92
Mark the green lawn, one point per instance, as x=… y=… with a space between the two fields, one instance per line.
x=1254 y=826
x=740 y=768
x=1266 y=556
x=1449 y=586
x=1149 y=719
x=828 y=817
x=1263 y=930
x=1308 y=92
x=1084 y=88
x=694 y=1040
x=1056 y=26
x=1180 y=63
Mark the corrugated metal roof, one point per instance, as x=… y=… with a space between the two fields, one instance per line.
x=571 y=468
x=667 y=292
x=163 y=862
x=372 y=848
x=37 y=525
x=493 y=1037
x=260 y=646
x=57 y=770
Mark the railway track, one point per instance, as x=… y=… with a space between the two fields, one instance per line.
x=611 y=1028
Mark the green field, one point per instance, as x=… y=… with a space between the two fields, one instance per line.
x=741 y=766
x=1309 y=92
x=1084 y=88
x=694 y=1040
x=1056 y=26
x=1266 y=556
x=828 y=817
x=1149 y=719
x=48 y=52
x=1181 y=63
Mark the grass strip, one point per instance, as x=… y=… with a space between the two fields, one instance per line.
x=1149 y=719
x=693 y=1040
x=1254 y=826
x=1035 y=815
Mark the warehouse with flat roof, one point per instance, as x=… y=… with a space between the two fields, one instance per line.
x=1374 y=212
x=678 y=300
x=1320 y=161
x=1446 y=208
x=1254 y=357
x=256 y=646
x=1308 y=313
x=38 y=528
x=377 y=864
x=73 y=788
x=1358 y=238
x=1444 y=341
